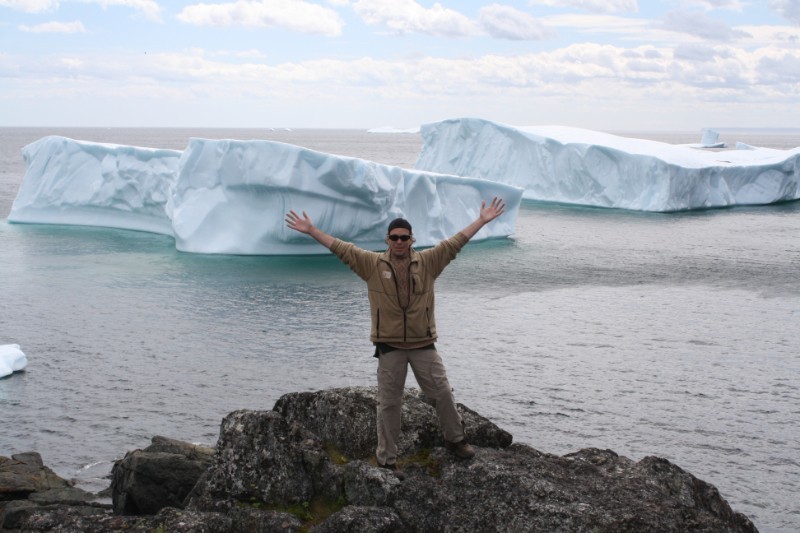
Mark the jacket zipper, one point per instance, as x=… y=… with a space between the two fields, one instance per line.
x=397 y=290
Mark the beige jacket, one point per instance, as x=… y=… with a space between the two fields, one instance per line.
x=390 y=322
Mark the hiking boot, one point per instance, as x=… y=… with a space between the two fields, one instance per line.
x=394 y=469
x=461 y=449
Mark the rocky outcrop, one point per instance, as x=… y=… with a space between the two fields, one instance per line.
x=27 y=485
x=307 y=465
x=161 y=475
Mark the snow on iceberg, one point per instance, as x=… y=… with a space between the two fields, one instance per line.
x=576 y=166
x=11 y=359
x=95 y=184
x=232 y=196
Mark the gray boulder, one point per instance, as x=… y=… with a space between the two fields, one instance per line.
x=161 y=475
x=23 y=474
x=261 y=458
x=27 y=485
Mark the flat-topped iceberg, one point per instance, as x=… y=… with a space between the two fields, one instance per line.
x=577 y=166
x=95 y=184
x=12 y=359
x=231 y=197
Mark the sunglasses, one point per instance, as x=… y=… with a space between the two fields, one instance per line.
x=395 y=238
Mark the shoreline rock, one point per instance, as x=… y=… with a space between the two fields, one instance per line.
x=161 y=475
x=307 y=465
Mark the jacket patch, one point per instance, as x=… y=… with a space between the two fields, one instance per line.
x=387 y=274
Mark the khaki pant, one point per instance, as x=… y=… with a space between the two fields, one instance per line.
x=432 y=379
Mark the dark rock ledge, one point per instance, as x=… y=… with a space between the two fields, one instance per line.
x=307 y=466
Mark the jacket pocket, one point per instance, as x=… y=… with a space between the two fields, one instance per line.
x=428 y=320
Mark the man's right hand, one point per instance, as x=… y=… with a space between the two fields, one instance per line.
x=303 y=225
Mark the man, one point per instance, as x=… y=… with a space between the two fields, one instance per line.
x=400 y=289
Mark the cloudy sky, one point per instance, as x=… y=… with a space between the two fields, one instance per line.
x=601 y=64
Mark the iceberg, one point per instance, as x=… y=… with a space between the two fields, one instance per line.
x=591 y=168
x=11 y=359
x=95 y=184
x=231 y=197
x=710 y=139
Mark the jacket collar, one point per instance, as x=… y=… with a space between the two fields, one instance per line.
x=386 y=256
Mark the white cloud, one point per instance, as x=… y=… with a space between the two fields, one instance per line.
x=250 y=54
x=575 y=69
x=408 y=16
x=149 y=8
x=780 y=68
x=295 y=15
x=559 y=84
x=627 y=28
x=31 y=6
x=709 y=5
x=595 y=6
x=700 y=52
x=71 y=63
x=55 y=27
x=789 y=9
x=765 y=35
x=701 y=25
x=505 y=22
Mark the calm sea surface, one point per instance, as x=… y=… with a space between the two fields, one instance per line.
x=650 y=334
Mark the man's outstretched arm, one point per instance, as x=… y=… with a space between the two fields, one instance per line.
x=487 y=214
x=303 y=225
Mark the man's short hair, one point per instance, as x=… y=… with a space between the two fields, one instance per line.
x=399 y=223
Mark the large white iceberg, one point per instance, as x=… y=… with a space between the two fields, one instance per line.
x=577 y=166
x=95 y=184
x=231 y=197
x=12 y=359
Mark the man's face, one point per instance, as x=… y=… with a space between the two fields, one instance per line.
x=399 y=247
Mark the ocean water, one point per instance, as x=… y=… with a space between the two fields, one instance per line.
x=673 y=335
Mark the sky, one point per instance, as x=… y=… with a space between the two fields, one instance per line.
x=673 y=65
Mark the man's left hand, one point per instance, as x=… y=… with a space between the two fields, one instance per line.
x=495 y=209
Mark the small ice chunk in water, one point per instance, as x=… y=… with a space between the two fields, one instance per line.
x=11 y=359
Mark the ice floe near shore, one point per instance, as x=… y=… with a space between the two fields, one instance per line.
x=230 y=197
x=12 y=359
x=577 y=166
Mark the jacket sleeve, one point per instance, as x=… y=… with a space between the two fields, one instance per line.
x=360 y=261
x=439 y=256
